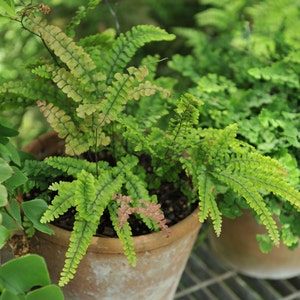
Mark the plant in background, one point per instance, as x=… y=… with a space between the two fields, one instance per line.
x=27 y=278
x=15 y=216
x=125 y=137
x=244 y=66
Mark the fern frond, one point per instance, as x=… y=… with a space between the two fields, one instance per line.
x=127 y=44
x=84 y=229
x=207 y=202
x=90 y=196
x=61 y=202
x=265 y=173
x=151 y=62
x=136 y=189
x=78 y=61
x=16 y=93
x=83 y=141
x=79 y=16
x=85 y=195
x=217 y=142
x=85 y=110
x=39 y=175
x=76 y=142
x=43 y=71
x=119 y=93
x=187 y=115
x=278 y=73
x=147 y=89
x=73 y=166
x=69 y=84
x=58 y=119
x=102 y=40
x=124 y=234
x=245 y=188
x=80 y=239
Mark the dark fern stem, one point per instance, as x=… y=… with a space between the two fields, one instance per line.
x=113 y=12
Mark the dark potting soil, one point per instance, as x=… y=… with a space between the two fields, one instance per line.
x=173 y=204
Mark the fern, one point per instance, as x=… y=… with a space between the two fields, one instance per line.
x=39 y=174
x=78 y=61
x=137 y=189
x=58 y=119
x=127 y=44
x=278 y=73
x=207 y=203
x=219 y=159
x=60 y=203
x=90 y=194
x=124 y=234
x=73 y=166
x=248 y=190
x=97 y=102
x=81 y=236
x=79 y=16
x=25 y=93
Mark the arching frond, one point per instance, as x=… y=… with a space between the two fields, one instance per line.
x=127 y=44
x=61 y=203
x=73 y=166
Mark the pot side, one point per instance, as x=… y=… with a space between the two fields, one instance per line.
x=104 y=272
x=237 y=246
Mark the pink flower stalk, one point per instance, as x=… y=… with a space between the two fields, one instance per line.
x=148 y=209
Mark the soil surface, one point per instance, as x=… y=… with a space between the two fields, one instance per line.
x=173 y=204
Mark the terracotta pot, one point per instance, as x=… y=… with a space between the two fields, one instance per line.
x=45 y=145
x=104 y=272
x=237 y=246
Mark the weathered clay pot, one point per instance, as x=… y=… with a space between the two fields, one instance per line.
x=104 y=272
x=237 y=246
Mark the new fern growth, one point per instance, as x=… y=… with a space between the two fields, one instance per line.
x=99 y=103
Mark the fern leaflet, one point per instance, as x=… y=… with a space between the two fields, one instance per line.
x=73 y=166
x=127 y=44
x=61 y=202
x=124 y=234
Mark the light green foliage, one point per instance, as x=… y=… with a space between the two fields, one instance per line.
x=91 y=92
x=244 y=66
x=90 y=194
x=127 y=44
x=7 y=8
x=234 y=165
x=88 y=96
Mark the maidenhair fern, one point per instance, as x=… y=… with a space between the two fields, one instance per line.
x=235 y=165
x=100 y=105
x=91 y=195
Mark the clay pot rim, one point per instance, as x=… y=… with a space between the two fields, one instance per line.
x=142 y=243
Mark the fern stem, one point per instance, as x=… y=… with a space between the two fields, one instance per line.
x=39 y=36
x=114 y=14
